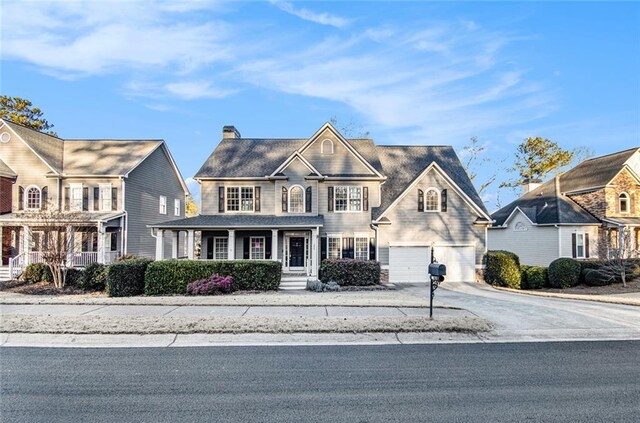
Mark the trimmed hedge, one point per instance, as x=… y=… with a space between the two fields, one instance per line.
x=349 y=272
x=536 y=277
x=503 y=269
x=37 y=272
x=564 y=273
x=93 y=278
x=168 y=277
x=126 y=278
x=593 y=277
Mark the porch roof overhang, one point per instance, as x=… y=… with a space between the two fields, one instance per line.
x=622 y=221
x=240 y=221
x=29 y=218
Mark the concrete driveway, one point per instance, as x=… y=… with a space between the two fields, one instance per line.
x=524 y=316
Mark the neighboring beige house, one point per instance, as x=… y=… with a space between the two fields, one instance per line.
x=565 y=217
x=120 y=186
x=302 y=200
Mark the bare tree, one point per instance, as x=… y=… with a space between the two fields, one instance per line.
x=350 y=129
x=616 y=247
x=473 y=160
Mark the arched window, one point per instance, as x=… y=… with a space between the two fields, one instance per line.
x=624 y=203
x=296 y=199
x=32 y=200
x=326 y=147
x=432 y=200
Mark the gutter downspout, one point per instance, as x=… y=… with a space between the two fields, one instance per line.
x=375 y=229
x=125 y=233
x=559 y=240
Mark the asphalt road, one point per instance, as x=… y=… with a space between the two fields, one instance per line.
x=538 y=382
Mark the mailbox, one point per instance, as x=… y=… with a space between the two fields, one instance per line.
x=437 y=269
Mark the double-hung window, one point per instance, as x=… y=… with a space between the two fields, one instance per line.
x=580 y=248
x=257 y=251
x=105 y=197
x=163 y=205
x=334 y=247
x=76 y=196
x=348 y=199
x=176 y=207
x=220 y=248
x=240 y=199
x=361 y=248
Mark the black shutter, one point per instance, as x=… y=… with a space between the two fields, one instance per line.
x=96 y=198
x=308 y=199
x=420 y=200
x=323 y=248
x=257 y=199
x=45 y=198
x=20 y=198
x=284 y=199
x=330 y=199
x=85 y=199
x=220 y=199
x=114 y=199
x=267 y=248
x=67 y=197
x=443 y=200
x=573 y=245
x=372 y=248
x=246 y=247
x=210 y=248
x=586 y=245
x=347 y=248
x=365 y=198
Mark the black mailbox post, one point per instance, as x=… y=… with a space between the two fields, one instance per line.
x=437 y=272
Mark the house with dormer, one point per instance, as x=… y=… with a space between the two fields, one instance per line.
x=567 y=215
x=117 y=187
x=302 y=200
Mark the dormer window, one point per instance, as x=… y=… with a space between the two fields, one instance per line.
x=33 y=199
x=624 y=202
x=326 y=147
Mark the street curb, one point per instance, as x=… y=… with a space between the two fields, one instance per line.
x=609 y=300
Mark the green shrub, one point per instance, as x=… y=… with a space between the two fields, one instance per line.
x=93 y=278
x=523 y=276
x=349 y=272
x=37 y=272
x=167 y=277
x=502 y=269
x=564 y=273
x=73 y=276
x=536 y=277
x=126 y=278
x=593 y=277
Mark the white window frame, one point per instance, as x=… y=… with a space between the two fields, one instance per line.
x=329 y=238
x=177 y=207
x=73 y=187
x=264 y=248
x=322 y=148
x=365 y=255
x=240 y=188
x=304 y=205
x=348 y=187
x=222 y=256
x=438 y=202
x=623 y=196
x=26 y=198
x=162 y=205
x=105 y=199
x=581 y=235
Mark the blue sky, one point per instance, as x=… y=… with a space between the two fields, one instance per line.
x=407 y=72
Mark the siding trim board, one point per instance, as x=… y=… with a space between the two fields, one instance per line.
x=286 y=163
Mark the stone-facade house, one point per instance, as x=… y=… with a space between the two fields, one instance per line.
x=566 y=216
x=302 y=200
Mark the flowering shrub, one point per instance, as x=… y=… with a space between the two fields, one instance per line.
x=214 y=284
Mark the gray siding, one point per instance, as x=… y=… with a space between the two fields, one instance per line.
x=151 y=179
x=453 y=227
x=209 y=195
x=347 y=223
x=340 y=162
x=566 y=240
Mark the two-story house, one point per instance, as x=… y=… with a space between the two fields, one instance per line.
x=117 y=186
x=566 y=216
x=302 y=200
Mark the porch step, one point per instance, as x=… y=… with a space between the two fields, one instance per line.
x=293 y=282
x=4 y=273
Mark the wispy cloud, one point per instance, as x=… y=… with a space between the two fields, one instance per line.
x=311 y=16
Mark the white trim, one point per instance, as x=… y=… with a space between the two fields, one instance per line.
x=72 y=186
x=31 y=148
x=335 y=236
x=214 y=247
x=335 y=198
x=322 y=146
x=438 y=200
x=240 y=187
x=25 y=200
x=428 y=244
x=101 y=199
x=264 y=247
x=289 y=160
x=366 y=237
x=304 y=200
x=627 y=197
x=584 y=245
x=506 y=222
x=160 y=204
x=177 y=205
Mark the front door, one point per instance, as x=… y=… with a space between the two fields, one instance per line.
x=296 y=252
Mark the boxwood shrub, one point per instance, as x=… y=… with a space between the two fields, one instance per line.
x=37 y=272
x=168 y=277
x=126 y=278
x=593 y=277
x=536 y=277
x=349 y=272
x=564 y=273
x=503 y=269
x=93 y=278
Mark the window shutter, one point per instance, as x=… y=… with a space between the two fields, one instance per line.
x=586 y=245
x=85 y=199
x=372 y=248
x=420 y=200
x=210 y=248
x=365 y=198
x=443 y=200
x=284 y=199
x=267 y=248
x=330 y=199
x=245 y=250
x=323 y=248
x=96 y=198
x=220 y=199
x=20 y=198
x=347 y=248
x=114 y=199
x=67 y=197
x=308 y=199
x=45 y=198
x=257 y=199
x=573 y=245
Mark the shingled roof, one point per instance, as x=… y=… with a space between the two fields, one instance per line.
x=48 y=147
x=6 y=170
x=595 y=172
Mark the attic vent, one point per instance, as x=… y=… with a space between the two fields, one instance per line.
x=5 y=137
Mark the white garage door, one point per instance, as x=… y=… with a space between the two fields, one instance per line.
x=410 y=264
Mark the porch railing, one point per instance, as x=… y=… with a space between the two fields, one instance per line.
x=16 y=265
x=82 y=259
x=111 y=256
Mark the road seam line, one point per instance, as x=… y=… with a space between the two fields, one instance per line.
x=398 y=338
x=95 y=309
x=172 y=310
x=245 y=312
x=174 y=340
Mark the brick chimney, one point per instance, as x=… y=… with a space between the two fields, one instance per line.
x=531 y=184
x=230 y=132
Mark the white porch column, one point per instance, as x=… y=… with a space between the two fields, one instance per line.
x=190 y=244
x=101 y=234
x=159 y=244
x=26 y=244
x=314 y=252
x=231 y=245
x=274 y=244
x=174 y=244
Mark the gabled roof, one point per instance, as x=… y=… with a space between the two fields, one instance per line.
x=105 y=157
x=6 y=170
x=45 y=146
x=596 y=172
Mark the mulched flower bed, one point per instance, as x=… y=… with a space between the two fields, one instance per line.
x=42 y=288
x=616 y=288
